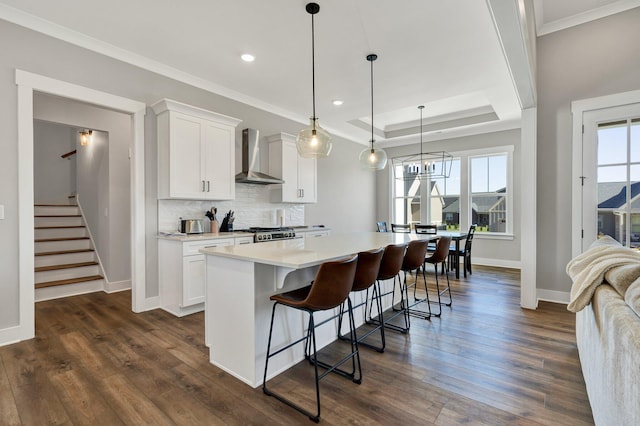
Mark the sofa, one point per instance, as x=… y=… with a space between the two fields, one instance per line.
x=606 y=298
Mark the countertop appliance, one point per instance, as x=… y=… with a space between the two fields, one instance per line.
x=191 y=226
x=263 y=235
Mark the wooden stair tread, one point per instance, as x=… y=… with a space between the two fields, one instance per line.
x=59 y=227
x=69 y=281
x=45 y=240
x=64 y=266
x=48 y=253
x=57 y=215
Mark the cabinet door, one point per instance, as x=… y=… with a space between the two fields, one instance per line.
x=218 y=152
x=193 y=279
x=290 y=189
x=307 y=179
x=185 y=175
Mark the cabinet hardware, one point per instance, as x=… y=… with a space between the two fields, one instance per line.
x=208 y=186
x=203 y=186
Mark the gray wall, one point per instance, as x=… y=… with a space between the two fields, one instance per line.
x=489 y=249
x=53 y=176
x=594 y=59
x=34 y=52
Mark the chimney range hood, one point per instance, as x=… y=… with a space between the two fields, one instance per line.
x=251 y=161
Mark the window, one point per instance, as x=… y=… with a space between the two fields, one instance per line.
x=618 y=173
x=489 y=192
x=477 y=191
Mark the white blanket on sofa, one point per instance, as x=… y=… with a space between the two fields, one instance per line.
x=587 y=271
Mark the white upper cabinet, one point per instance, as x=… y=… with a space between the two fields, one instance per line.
x=196 y=152
x=299 y=174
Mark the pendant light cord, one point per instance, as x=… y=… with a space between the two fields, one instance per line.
x=371 y=104
x=313 y=70
x=421 y=107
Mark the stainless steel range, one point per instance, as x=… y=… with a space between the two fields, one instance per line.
x=262 y=235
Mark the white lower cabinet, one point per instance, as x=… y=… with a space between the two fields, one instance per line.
x=181 y=273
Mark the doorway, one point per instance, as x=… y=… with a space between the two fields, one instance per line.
x=606 y=164
x=28 y=83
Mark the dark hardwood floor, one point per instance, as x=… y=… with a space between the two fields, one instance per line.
x=486 y=361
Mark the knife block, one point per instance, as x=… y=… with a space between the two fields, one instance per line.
x=226 y=226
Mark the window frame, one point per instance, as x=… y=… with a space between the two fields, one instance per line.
x=465 y=189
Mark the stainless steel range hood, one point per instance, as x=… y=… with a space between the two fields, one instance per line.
x=251 y=161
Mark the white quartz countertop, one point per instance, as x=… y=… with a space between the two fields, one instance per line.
x=304 y=252
x=201 y=237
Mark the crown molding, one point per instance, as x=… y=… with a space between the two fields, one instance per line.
x=584 y=17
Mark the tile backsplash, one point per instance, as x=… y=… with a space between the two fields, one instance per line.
x=252 y=207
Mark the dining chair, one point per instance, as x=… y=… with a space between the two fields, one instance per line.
x=401 y=228
x=330 y=288
x=464 y=252
x=427 y=229
x=382 y=226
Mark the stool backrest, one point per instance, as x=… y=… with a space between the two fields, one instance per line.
x=425 y=229
x=391 y=261
x=332 y=284
x=414 y=257
x=367 y=269
x=442 y=250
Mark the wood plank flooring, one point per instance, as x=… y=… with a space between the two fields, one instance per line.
x=486 y=361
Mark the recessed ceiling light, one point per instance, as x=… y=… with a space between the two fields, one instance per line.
x=248 y=57
x=337 y=102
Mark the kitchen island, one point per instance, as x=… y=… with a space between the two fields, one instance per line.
x=239 y=282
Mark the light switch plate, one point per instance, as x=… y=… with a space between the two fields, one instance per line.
x=1 y=211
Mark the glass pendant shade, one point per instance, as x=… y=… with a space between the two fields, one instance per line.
x=373 y=159
x=313 y=141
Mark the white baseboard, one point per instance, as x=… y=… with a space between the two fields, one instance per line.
x=151 y=303
x=115 y=286
x=553 y=296
x=12 y=335
x=497 y=263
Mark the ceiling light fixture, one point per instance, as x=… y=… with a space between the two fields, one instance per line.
x=313 y=141
x=371 y=158
x=426 y=165
x=247 y=57
x=85 y=137
x=337 y=102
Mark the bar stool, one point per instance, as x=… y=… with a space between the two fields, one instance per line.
x=414 y=261
x=439 y=256
x=330 y=289
x=389 y=269
x=365 y=278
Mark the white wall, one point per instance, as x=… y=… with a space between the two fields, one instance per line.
x=54 y=176
x=492 y=251
x=34 y=52
x=593 y=59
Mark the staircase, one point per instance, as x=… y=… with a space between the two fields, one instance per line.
x=65 y=261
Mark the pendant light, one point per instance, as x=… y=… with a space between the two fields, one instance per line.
x=371 y=158
x=313 y=141
x=422 y=166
